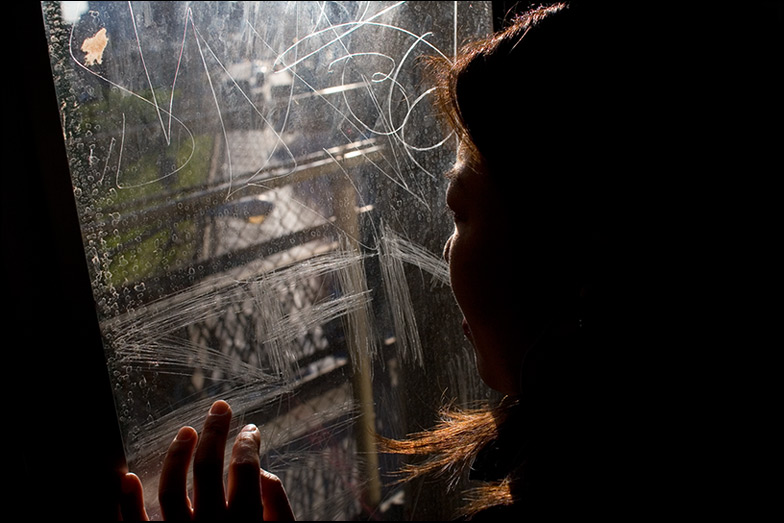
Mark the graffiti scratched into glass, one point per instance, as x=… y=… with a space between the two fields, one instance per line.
x=261 y=200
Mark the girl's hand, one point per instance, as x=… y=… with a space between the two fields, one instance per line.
x=252 y=493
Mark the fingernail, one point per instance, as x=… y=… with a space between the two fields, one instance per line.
x=219 y=408
x=184 y=434
x=249 y=428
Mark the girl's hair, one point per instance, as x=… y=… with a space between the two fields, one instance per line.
x=546 y=105
x=485 y=67
x=508 y=93
x=450 y=449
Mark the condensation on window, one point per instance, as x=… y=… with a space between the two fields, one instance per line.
x=261 y=197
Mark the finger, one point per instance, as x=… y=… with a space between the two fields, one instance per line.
x=132 y=499
x=209 y=500
x=244 y=482
x=274 y=499
x=172 y=490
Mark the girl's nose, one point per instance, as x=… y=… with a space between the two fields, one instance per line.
x=447 y=247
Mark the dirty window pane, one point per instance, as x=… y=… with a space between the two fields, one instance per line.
x=261 y=200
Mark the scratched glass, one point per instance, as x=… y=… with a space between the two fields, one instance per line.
x=261 y=199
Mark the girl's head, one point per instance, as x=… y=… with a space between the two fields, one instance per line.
x=531 y=106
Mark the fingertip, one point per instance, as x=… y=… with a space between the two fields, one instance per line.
x=269 y=478
x=132 y=498
x=220 y=408
x=246 y=446
x=130 y=483
x=186 y=434
x=274 y=499
x=250 y=431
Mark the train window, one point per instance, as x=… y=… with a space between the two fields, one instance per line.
x=261 y=199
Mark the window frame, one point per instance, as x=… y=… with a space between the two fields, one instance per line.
x=46 y=271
